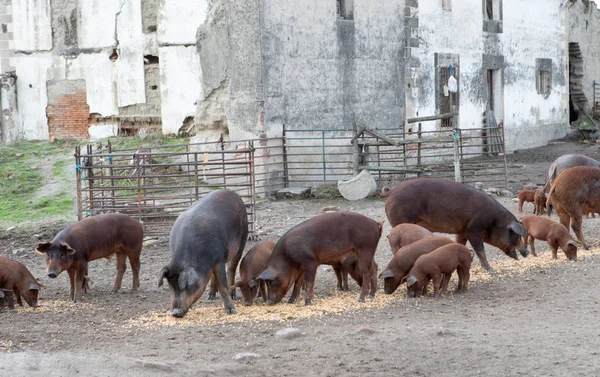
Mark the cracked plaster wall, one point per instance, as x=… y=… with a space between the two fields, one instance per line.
x=530 y=119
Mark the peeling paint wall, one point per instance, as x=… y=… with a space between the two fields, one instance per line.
x=32 y=25
x=300 y=64
x=530 y=119
x=584 y=29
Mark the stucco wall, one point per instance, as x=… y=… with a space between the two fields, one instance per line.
x=529 y=118
x=32 y=23
x=584 y=27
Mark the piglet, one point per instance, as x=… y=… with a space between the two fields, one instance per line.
x=557 y=235
x=15 y=277
x=252 y=265
x=350 y=266
x=438 y=266
x=404 y=234
x=405 y=258
x=539 y=202
x=525 y=196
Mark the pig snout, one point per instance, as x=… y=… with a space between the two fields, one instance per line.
x=524 y=252
x=52 y=274
x=573 y=258
x=178 y=312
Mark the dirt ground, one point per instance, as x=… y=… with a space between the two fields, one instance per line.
x=534 y=317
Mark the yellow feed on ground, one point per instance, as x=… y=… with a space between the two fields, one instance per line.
x=205 y=313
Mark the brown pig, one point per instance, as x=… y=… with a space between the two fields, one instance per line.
x=405 y=258
x=350 y=266
x=575 y=192
x=539 y=202
x=565 y=162
x=541 y=228
x=438 y=266
x=404 y=234
x=93 y=238
x=324 y=239
x=445 y=206
x=525 y=196
x=252 y=265
x=15 y=277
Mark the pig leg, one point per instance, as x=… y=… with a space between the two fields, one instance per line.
x=576 y=221
x=461 y=239
x=220 y=275
x=231 y=268
x=79 y=279
x=521 y=205
x=445 y=282
x=365 y=259
x=298 y=283
x=463 y=278
x=212 y=293
x=477 y=243
x=263 y=290
x=134 y=261
x=373 y=280
x=338 y=275
x=310 y=273
x=121 y=267
x=531 y=242
x=437 y=284
x=18 y=296
x=10 y=299
x=72 y=272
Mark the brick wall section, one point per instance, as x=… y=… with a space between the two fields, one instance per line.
x=68 y=112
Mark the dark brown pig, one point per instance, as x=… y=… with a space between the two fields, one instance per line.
x=208 y=236
x=324 y=239
x=539 y=202
x=404 y=234
x=525 y=196
x=405 y=258
x=350 y=266
x=251 y=266
x=15 y=277
x=438 y=266
x=445 y=206
x=541 y=228
x=575 y=192
x=93 y=238
x=565 y=162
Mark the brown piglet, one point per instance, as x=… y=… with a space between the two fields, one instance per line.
x=539 y=202
x=438 y=266
x=350 y=266
x=252 y=265
x=525 y=196
x=557 y=235
x=405 y=258
x=406 y=233
x=15 y=277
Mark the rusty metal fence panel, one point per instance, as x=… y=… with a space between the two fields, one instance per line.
x=156 y=184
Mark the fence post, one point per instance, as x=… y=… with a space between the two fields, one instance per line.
x=356 y=154
x=455 y=137
x=90 y=165
x=323 y=155
x=286 y=177
x=78 y=182
x=419 y=134
x=111 y=172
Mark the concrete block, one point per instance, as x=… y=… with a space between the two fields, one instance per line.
x=293 y=193
x=359 y=187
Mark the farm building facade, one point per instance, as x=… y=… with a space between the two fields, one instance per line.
x=79 y=69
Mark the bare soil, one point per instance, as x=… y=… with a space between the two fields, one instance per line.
x=534 y=317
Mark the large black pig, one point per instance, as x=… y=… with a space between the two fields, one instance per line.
x=445 y=206
x=207 y=236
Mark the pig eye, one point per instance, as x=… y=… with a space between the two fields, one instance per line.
x=63 y=256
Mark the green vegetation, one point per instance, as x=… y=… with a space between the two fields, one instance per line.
x=134 y=142
x=21 y=176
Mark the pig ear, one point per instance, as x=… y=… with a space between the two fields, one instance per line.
x=188 y=277
x=572 y=243
x=386 y=274
x=268 y=274
x=34 y=286
x=163 y=274
x=517 y=228
x=252 y=283
x=67 y=247
x=42 y=248
x=411 y=280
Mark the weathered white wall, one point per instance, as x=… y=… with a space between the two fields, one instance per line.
x=181 y=82
x=96 y=22
x=32 y=99
x=131 y=87
x=99 y=74
x=178 y=21
x=32 y=25
x=529 y=118
x=584 y=28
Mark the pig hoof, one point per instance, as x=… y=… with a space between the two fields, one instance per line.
x=491 y=271
x=291 y=301
x=361 y=300
x=307 y=303
x=113 y=292
x=212 y=296
x=230 y=311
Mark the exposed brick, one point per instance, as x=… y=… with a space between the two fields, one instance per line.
x=67 y=111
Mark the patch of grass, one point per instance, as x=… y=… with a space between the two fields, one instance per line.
x=151 y=140
x=58 y=169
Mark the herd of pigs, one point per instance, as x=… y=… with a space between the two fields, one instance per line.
x=207 y=242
